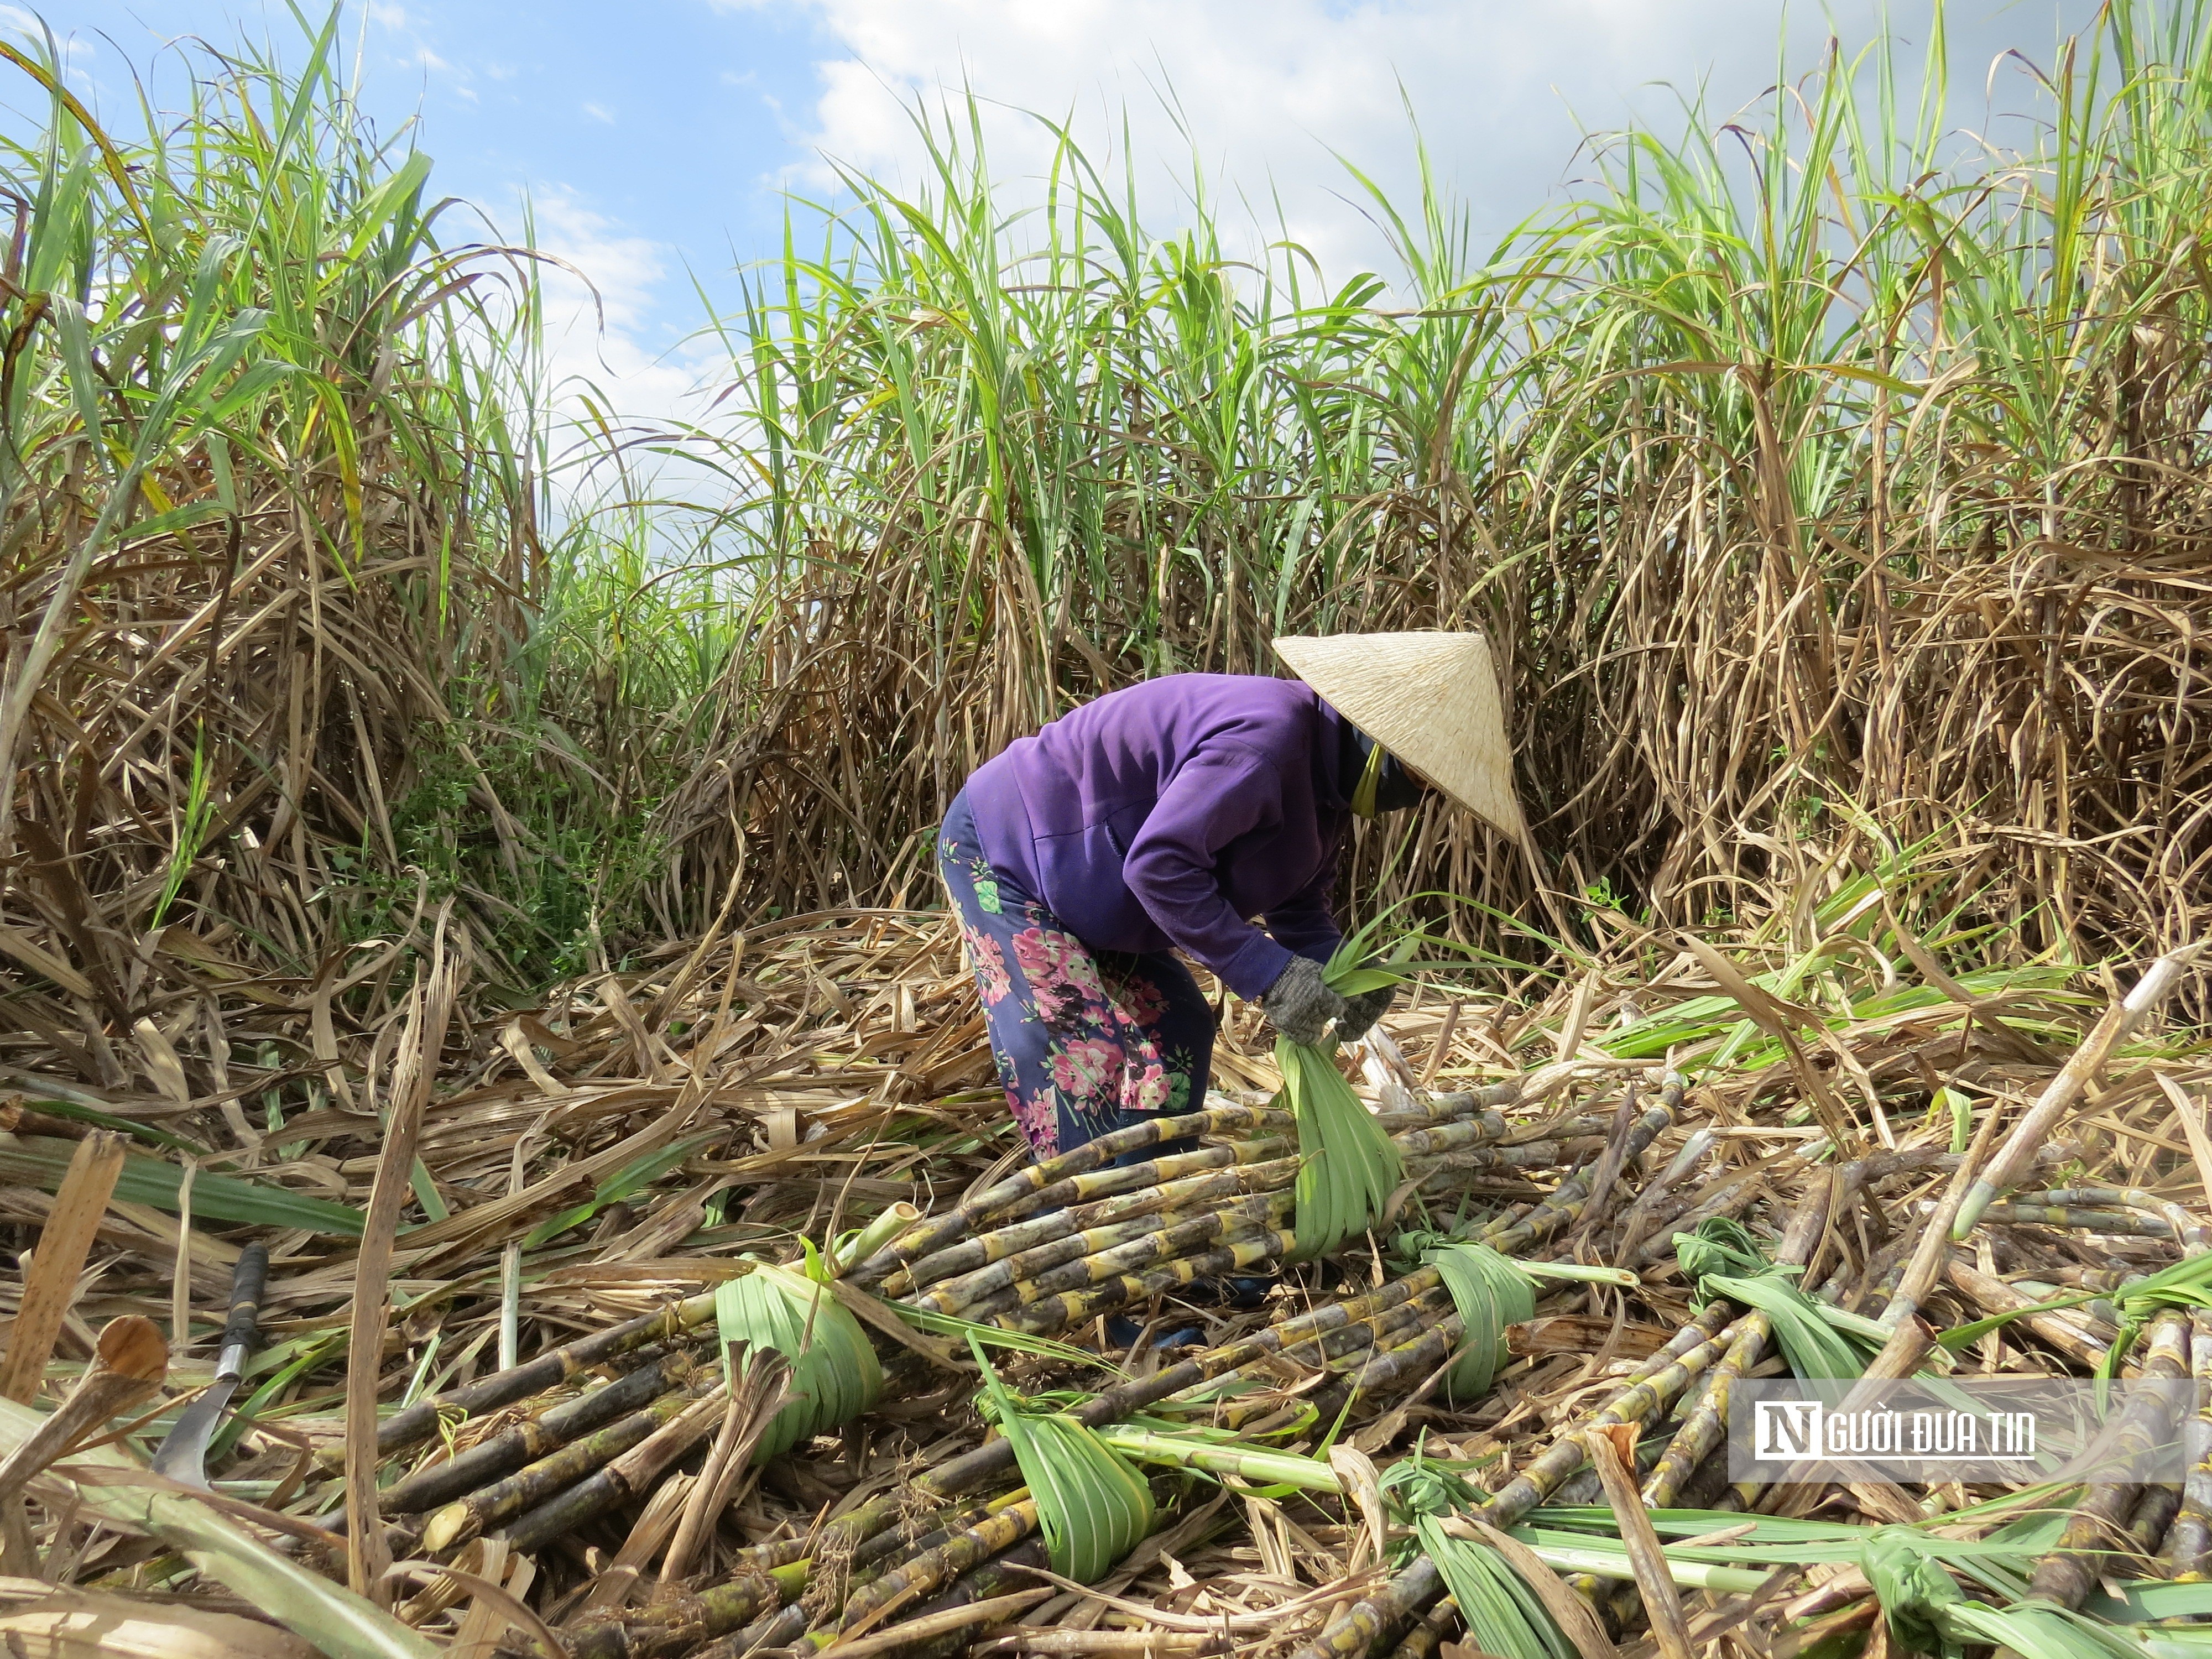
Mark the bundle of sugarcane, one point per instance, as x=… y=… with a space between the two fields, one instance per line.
x=959 y=1551
x=1721 y=1343
x=581 y=1454
x=1079 y=1175
x=584 y=1454
x=1653 y=1384
x=1074 y=1237
x=573 y=1452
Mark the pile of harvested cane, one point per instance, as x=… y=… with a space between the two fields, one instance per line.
x=715 y=1309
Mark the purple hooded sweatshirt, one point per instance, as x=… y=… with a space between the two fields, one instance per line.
x=1176 y=812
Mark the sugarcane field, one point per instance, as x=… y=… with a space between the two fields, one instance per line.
x=1130 y=944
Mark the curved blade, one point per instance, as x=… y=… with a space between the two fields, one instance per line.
x=183 y=1454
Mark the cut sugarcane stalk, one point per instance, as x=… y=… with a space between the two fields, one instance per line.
x=420 y=1420
x=535 y=1438
x=1247 y=1166
x=916 y=1577
x=541 y=1481
x=1054 y=1182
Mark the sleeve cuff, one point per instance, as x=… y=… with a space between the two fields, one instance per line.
x=1256 y=965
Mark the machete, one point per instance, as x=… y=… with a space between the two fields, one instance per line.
x=183 y=1454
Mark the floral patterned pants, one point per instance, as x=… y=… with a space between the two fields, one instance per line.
x=1084 y=1039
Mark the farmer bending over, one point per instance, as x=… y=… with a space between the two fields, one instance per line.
x=1203 y=813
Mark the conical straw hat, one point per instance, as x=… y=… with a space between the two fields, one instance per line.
x=1429 y=699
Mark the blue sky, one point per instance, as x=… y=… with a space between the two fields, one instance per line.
x=655 y=136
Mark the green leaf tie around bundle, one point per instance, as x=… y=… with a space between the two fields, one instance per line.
x=1913 y=1590
x=835 y=1375
x=1721 y=1258
x=1093 y=1507
x=1503 y=1615
x=1348 y=1168
x=1489 y=1293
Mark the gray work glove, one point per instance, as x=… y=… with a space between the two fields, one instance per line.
x=1361 y=1012
x=1299 y=1004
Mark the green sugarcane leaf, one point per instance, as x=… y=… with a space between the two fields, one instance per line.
x=1721 y=1259
x=628 y=1182
x=215 y=1197
x=145 y=1132
x=1348 y=1167
x=1362 y=979
x=1812 y=1347
x=2038 y=1630
x=2149 y=1599
x=990 y=1336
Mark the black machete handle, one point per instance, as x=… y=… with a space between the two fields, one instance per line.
x=246 y=1281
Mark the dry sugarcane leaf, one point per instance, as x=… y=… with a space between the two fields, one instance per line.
x=1777 y=1019
x=512 y=1039
x=162 y=1063
x=63 y=1245
x=339 y=1623
x=19 y=945
x=78 y=1624
x=1357 y=1470
x=430 y=1011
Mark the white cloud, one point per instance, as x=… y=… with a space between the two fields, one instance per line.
x=1260 y=93
x=600 y=113
x=601 y=292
